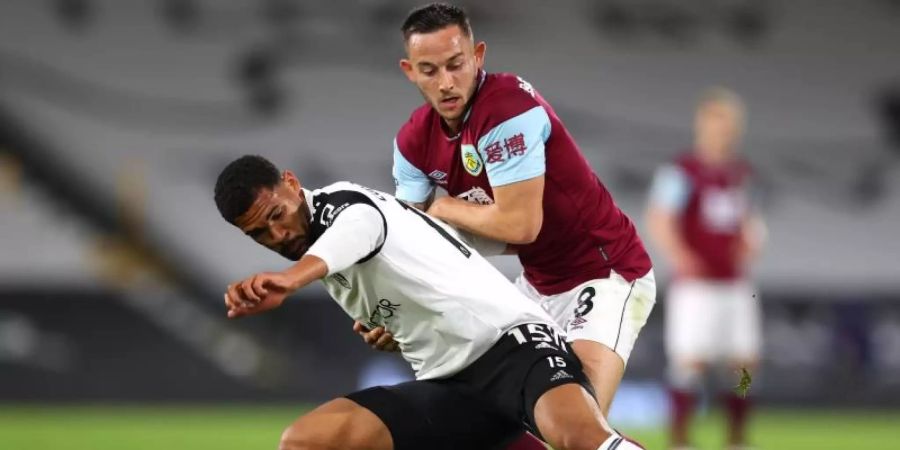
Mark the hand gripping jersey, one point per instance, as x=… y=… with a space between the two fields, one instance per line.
x=511 y=134
x=713 y=203
x=391 y=265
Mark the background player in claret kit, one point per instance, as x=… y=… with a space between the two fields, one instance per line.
x=488 y=362
x=700 y=216
x=515 y=175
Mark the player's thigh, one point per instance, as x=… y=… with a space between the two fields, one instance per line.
x=603 y=367
x=745 y=325
x=556 y=392
x=692 y=320
x=568 y=418
x=437 y=415
x=611 y=312
x=338 y=424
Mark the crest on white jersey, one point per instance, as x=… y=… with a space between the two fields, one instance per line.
x=470 y=160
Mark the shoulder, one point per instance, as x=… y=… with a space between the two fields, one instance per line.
x=343 y=194
x=331 y=201
x=414 y=133
x=502 y=97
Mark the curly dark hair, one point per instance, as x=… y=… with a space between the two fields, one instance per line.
x=240 y=182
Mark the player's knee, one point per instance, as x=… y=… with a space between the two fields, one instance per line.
x=577 y=442
x=579 y=438
x=301 y=436
x=687 y=376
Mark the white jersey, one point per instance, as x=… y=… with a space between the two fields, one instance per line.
x=391 y=265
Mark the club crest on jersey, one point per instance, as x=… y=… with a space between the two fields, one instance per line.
x=470 y=160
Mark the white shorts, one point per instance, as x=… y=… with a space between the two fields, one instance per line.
x=712 y=321
x=610 y=311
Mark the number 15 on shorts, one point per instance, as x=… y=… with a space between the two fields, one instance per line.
x=556 y=361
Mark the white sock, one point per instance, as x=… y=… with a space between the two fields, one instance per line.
x=617 y=442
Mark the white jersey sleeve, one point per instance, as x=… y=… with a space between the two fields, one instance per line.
x=355 y=233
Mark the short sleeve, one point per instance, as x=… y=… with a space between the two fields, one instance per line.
x=671 y=189
x=355 y=233
x=513 y=151
x=411 y=183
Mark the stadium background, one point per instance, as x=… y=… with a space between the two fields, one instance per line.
x=116 y=116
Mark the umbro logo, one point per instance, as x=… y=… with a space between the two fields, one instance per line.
x=561 y=375
x=544 y=345
x=438 y=176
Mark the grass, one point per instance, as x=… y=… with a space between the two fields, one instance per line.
x=228 y=427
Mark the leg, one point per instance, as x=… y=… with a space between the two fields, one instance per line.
x=691 y=322
x=526 y=442
x=603 y=367
x=605 y=319
x=558 y=404
x=569 y=419
x=340 y=424
x=685 y=378
x=737 y=411
x=745 y=317
x=424 y=414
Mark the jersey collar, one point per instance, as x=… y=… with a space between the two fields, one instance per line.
x=308 y=197
x=482 y=75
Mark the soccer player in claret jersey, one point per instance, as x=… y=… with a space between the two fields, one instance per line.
x=489 y=363
x=514 y=174
x=700 y=217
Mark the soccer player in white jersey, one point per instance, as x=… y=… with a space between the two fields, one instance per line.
x=489 y=363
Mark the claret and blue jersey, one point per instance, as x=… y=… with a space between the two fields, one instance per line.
x=511 y=134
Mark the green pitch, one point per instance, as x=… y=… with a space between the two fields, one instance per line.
x=234 y=427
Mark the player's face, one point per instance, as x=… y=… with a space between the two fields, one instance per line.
x=444 y=65
x=718 y=126
x=279 y=218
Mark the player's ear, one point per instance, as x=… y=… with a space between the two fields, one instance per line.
x=480 y=48
x=291 y=180
x=407 y=68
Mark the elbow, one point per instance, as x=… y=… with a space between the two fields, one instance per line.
x=526 y=232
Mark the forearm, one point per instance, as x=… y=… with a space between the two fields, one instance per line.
x=663 y=228
x=488 y=221
x=753 y=236
x=310 y=268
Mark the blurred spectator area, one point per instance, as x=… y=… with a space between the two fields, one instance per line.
x=116 y=116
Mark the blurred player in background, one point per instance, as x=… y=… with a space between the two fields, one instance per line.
x=514 y=174
x=488 y=361
x=700 y=216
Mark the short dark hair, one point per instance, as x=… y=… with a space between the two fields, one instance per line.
x=433 y=17
x=240 y=182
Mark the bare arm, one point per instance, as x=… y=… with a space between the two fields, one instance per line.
x=515 y=217
x=268 y=290
x=663 y=227
x=753 y=237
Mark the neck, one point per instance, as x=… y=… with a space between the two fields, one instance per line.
x=453 y=125
x=714 y=156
